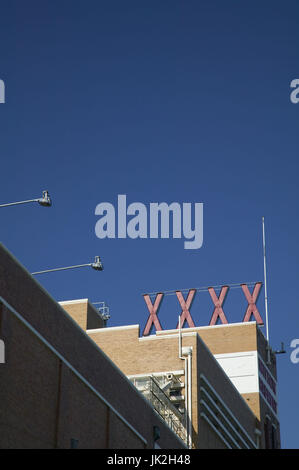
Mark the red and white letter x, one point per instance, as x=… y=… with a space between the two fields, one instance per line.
x=218 y=302
x=251 y=299
x=185 y=315
x=153 y=310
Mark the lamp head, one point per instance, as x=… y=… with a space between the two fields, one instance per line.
x=45 y=200
x=97 y=265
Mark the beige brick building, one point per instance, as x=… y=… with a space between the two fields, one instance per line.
x=58 y=389
x=69 y=381
x=217 y=378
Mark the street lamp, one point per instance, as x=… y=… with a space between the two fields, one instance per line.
x=96 y=265
x=44 y=201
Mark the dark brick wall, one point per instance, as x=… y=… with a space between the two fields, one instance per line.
x=42 y=403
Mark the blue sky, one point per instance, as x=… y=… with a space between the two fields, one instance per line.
x=161 y=101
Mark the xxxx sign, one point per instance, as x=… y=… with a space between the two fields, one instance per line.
x=218 y=314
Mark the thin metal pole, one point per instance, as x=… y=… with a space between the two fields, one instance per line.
x=17 y=203
x=180 y=339
x=265 y=280
x=201 y=289
x=96 y=265
x=62 y=269
x=186 y=385
x=45 y=201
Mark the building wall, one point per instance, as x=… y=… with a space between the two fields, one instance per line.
x=266 y=410
x=56 y=384
x=227 y=341
x=158 y=353
x=238 y=348
x=241 y=349
x=209 y=367
x=46 y=401
x=145 y=355
x=248 y=339
x=84 y=313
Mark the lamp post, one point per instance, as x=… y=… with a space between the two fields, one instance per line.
x=96 y=265
x=44 y=201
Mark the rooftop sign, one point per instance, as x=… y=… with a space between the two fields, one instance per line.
x=218 y=314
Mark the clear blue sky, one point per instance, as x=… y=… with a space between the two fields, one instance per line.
x=161 y=101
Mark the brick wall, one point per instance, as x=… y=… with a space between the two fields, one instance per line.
x=43 y=403
x=158 y=353
x=84 y=313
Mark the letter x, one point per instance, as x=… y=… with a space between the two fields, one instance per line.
x=185 y=315
x=251 y=299
x=153 y=310
x=218 y=302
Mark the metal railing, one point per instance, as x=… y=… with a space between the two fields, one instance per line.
x=151 y=390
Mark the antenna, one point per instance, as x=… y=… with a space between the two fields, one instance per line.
x=282 y=349
x=265 y=280
x=266 y=293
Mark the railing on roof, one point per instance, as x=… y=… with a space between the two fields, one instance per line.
x=151 y=390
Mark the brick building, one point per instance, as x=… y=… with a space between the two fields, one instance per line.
x=232 y=396
x=57 y=388
x=86 y=385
